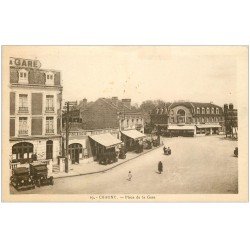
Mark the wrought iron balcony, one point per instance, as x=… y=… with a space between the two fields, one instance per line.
x=49 y=109
x=23 y=110
x=23 y=132
x=49 y=131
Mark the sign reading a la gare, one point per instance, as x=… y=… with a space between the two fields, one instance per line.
x=27 y=63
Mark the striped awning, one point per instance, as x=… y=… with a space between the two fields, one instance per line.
x=107 y=140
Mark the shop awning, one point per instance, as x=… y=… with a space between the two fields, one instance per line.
x=134 y=134
x=107 y=140
x=175 y=127
x=208 y=126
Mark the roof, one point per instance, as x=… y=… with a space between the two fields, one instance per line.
x=134 y=134
x=208 y=126
x=107 y=140
x=185 y=127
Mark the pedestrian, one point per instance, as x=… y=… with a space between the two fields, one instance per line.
x=129 y=176
x=160 y=167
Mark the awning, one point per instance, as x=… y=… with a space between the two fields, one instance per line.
x=134 y=134
x=107 y=140
x=208 y=126
x=175 y=127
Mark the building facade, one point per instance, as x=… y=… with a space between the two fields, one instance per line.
x=111 y=113
x=98 y=121
x=188 y=118
x=231 y=120
x=35 y=111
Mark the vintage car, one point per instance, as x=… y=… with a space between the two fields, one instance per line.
x=236 y=151
x=148 y=144
x=21 y=179
x=156 y=143
x=39 y=174
x=122 y=153
x=108 y=158
x=139 y=148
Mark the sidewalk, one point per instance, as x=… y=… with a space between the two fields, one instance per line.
x=95 y=167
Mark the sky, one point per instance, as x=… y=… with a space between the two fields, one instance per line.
x=170 y=73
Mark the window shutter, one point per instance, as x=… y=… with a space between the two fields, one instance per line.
x=12 y=127
x=12 y=103
x=37 y=103
x=36 y=126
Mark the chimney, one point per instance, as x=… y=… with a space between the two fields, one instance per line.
x=115 y=100
x=126 y=102
x=231 y=106
x=84 y=101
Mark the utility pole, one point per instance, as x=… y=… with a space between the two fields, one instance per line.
x=67 y=140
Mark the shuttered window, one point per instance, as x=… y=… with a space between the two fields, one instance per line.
x=36 y=126
x=12 y=127
x=12 y=103
x=37 y=103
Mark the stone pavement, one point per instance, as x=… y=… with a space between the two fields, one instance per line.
x=95 y=167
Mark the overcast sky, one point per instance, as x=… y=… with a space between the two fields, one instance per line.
x=203 y=74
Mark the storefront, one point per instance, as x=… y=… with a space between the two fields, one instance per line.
x=185 y=130
x=207 y=129
x=104 y=145
x=131 y=139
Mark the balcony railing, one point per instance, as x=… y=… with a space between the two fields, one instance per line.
x=49 y=109
x=23 y=110
x=23 y=132
x=49 y=131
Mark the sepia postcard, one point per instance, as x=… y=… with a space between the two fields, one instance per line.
x=125 y=123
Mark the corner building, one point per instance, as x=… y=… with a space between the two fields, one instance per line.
x=188 y=119
x=35 y=111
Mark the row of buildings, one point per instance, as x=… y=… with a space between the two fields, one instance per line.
x=38 y=118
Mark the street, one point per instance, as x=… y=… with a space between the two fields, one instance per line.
x=197 y=165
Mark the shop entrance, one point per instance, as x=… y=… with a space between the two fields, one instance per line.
x=75 y=150
x=22 y=152
x=49 y=149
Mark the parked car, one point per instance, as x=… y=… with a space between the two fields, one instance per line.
x=122 y=153
x=236 y=151
x=21 y=179
x=107 y=158
x=39 y=174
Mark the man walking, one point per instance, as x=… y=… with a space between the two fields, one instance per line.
x=160 y=167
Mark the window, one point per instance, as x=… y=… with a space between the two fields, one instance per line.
x=203 y=111
x=198 y=110
x=23 y=103
x=208 y=110
x=49 y=103
x=49 y=125
x=217 y=111
x=23 y=126
x=212 y=110
x=49 y=78
x=212 y=119
x=23 y=76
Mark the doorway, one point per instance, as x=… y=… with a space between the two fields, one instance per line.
x=75 y=149
x=49 y=149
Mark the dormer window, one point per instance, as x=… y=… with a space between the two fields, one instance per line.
x=23 y=76
x=49 y=78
